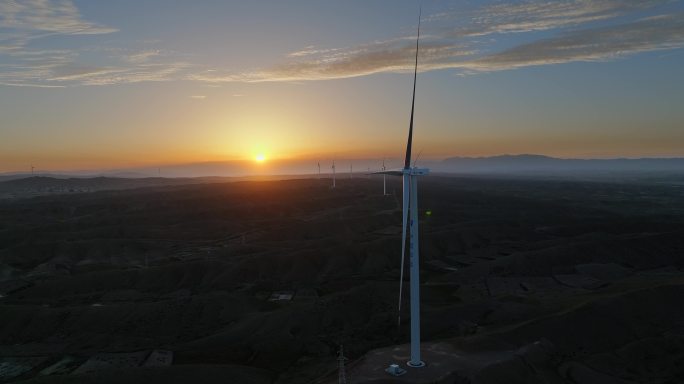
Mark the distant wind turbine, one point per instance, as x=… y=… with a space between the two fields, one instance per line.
x=333 y=169
x=32 y=168
x=319 y=169
x=384 y=178
x=410 y=223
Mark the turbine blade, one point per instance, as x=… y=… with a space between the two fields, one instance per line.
x=392 y=173
x=404 y=226
x=407 y=159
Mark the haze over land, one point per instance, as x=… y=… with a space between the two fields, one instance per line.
x=505 y=164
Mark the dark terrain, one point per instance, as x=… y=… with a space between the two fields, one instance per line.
x=16 y=187
x=551 y=281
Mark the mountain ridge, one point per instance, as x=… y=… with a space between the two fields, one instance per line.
x=540 y=163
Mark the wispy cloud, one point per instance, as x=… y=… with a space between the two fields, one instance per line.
x=57 y=73
x=386 y=56
x=489 y=38
x=455 y=40
x=650 y=34
x=21 y=23
x=142 y=57
x=136 y=74
x=47 y=16
x=311 y=50
x=198 y=97
x=72 y=73
x=531 y=16
x=29 y=85
x=25 y=22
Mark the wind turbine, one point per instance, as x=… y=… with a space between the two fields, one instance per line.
x=319 y=169
x=333 y=169
x=410 y=223
x=32 y=168
x=384 y=178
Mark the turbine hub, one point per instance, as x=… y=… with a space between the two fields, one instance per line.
x=416 y=171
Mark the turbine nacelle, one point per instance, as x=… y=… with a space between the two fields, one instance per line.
x=415 y=171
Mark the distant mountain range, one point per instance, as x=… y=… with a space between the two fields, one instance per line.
x=546 y=164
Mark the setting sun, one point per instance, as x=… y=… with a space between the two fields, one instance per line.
x=260 y=158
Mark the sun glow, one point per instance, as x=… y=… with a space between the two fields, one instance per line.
x=260 y=158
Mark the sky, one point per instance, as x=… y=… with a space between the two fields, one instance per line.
x=131 y=83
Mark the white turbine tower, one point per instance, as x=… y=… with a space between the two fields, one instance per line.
x=341 y=371
x=410 y=223
x=384 y=179
x=410 y=206
x=333 y=169
x=319 y=169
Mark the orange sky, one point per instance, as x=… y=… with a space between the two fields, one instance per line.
x=102 y=87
